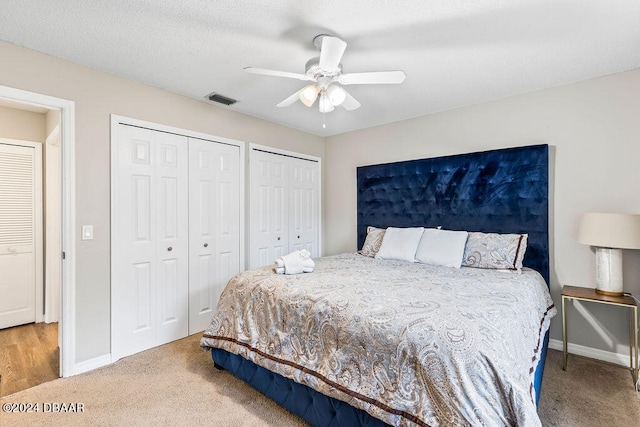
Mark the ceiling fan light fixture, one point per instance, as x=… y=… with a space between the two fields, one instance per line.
x=325 y=104
x=325 y=71
x=336 y=95
x=309 y=94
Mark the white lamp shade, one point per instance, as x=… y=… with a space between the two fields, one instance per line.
x=325 y=104
x=309 y=94
x=336 y=95
x=610 y=230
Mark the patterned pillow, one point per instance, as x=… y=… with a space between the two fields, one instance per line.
x=496 y=251
x=373 y=241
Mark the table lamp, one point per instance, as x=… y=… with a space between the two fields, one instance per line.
x=609 y=233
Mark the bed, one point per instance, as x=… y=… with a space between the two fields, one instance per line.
x=369 y=341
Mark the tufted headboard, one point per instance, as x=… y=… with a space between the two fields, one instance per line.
x=501 y=191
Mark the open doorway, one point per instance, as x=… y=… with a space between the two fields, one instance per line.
x=30 y=245
x=49 y=336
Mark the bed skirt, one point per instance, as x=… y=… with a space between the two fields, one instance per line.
x=312 y=406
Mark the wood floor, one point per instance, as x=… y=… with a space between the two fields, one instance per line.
x=29 y=356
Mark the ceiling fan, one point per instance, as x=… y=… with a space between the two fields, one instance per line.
x=325 y=71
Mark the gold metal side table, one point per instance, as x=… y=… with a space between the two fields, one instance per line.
x=590 y=295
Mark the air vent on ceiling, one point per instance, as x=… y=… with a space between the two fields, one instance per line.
x=220 y=99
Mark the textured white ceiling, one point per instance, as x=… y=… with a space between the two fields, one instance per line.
x=454 y=52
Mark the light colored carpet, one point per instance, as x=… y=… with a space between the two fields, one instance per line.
x=176 y=384
x=589 y=393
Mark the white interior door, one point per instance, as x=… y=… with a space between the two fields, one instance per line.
x=214 y=226
x=20 y=234
x=150 y=240
x=269 y=206
x=303 y=205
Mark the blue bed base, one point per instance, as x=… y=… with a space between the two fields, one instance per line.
x=312 y=406
x=503 y=191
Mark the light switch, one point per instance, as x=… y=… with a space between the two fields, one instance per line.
x=87 y=232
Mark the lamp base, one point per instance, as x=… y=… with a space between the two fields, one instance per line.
x=608 y=293
x=609 y=272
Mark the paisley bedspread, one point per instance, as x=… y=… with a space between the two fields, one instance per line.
x=411 y=344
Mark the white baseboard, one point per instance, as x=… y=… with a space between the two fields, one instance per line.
x=91 y=364
x=592 y=353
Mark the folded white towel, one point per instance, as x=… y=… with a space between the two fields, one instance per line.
x=308 y=265
x=292 y=263
x=295 y=263
x=305 y=254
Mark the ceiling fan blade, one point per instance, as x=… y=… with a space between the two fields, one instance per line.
x=375 y=77
x=290 y=100
x=331 y=53
x=349 y=103
x=276 y=73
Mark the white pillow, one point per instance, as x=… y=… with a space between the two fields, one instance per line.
x=400 y=243
x=441 y=247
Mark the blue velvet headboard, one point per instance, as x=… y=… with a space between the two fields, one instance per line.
x=501 y=191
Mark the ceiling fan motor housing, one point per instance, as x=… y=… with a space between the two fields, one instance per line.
x=312 y=69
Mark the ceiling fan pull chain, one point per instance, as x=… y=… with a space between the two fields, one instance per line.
x=324 y=125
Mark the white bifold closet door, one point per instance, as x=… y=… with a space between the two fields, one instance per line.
x=284 y=201
x=150 y=251
x=214 y=226
x=175 y=234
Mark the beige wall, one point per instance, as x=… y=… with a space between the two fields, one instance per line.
x=21 y=124
x=96 y=96
x=594 y=128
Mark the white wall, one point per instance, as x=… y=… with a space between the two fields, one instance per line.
x=96 y=96
x=594 y=128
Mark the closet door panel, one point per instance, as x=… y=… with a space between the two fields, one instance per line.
x=149 y=282
x=133 y=314
x=214 y=218
x=228 y=208
x=173 y=233
x=304 y=198
x=202 y=219
x=228 y=220
x=269 y=208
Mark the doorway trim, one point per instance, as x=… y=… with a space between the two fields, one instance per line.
x=68 y=288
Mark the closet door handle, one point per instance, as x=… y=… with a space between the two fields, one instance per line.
x=278 y=237
x=206 y=245
x=169 y=248
x=298 y=237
